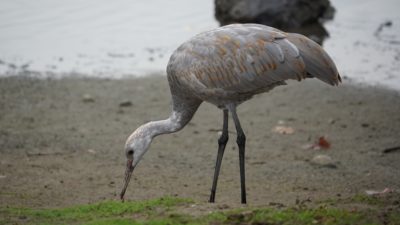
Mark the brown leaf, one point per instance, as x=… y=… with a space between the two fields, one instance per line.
x=323 y=143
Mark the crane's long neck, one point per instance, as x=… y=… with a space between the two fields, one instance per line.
x=174 y=123
x=182 y=113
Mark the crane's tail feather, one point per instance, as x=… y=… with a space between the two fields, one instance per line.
x=317 y=61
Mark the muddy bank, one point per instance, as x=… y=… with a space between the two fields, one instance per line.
x=61 y=143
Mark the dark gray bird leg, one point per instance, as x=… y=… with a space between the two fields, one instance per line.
x=241 y=142
x=223 y=139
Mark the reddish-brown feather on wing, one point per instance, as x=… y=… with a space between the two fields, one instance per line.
x=241 y=62
x=247 y=58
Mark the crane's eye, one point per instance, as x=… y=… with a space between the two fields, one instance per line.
x=129 y=153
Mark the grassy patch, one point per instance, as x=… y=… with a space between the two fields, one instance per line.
x=166 y=211
x=308 y=216
x=111 y=212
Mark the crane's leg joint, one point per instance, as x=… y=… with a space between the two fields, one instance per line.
x=223 y=139
x=241 y=139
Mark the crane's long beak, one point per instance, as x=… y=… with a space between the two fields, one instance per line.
x=128 y=174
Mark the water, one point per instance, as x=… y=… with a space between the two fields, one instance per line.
x=123 y=37
x=97 y=37
x=358 y=51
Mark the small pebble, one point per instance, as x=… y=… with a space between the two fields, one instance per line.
x=323 y=161
x=87 y=98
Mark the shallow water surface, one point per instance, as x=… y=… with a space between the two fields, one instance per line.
x=363 y=48
x=114 y=39
x=97 y=37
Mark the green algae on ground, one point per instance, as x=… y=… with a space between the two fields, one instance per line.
x=98 y=211
x=166 y=211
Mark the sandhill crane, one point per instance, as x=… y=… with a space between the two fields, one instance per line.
x=225 y=67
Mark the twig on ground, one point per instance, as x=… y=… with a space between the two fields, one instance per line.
x=393 y=149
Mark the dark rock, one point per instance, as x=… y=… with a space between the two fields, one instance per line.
x=300 y=16
x=125 y=103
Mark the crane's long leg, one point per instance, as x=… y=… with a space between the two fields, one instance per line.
x=241 y=142
x=223 y=139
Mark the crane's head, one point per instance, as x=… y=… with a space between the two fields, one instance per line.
x=136 y=145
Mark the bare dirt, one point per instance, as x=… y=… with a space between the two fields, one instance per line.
x=61 y=143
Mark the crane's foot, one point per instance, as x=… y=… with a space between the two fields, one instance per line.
x=244 y=201
x=212 y=197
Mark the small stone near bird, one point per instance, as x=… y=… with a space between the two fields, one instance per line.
x=283 y=130
x=125 y=103
x=87 y=98
x=323 y=161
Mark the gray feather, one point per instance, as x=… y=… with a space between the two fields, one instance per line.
x=234 y=62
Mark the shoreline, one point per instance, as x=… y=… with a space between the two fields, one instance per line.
x=49 y=75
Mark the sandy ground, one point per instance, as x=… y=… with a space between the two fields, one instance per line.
x=58 y=150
